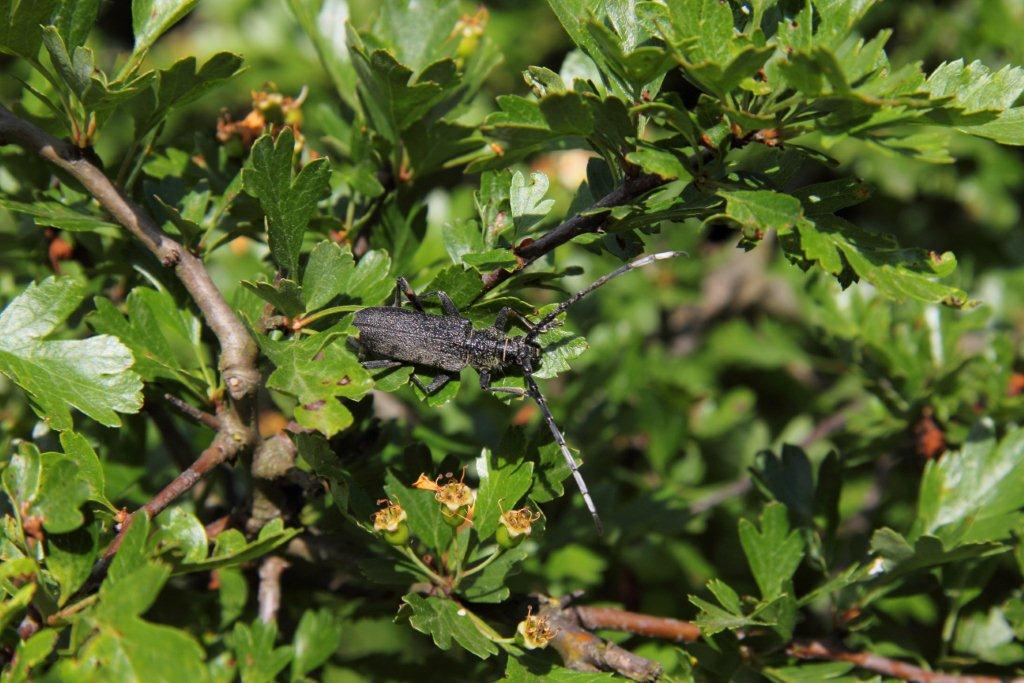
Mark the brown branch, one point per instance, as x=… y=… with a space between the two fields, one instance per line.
x=823 y=649
x=583 y=651
x=591 y=220
x=200 y=416
x=269 y=594
x=232 y=438
x=593 y=618
x=237 y=349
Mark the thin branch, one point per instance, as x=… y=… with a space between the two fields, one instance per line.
x=269 y=595
x=237 y=348
x=827 y=650
x=583 y=651
x=200 y=416
x=232 y=438
x=591 y=220
x=593 y=618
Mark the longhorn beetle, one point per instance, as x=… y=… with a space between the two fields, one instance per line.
x=449 y=343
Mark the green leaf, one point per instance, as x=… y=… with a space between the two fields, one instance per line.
x=317 y=637
x=899 y=558
x=74 y=20
x=661 y=162
x=19 y=25
x=258 y=660
x=326 y=275
x=231 y=548
x=179 y=85
x=70 y=558
x=317 y=370
x=289 y=201
x=900 y=274
x=758 y=211
x=182 y=531
x=542 y=671
x=423 y=511
x=490 y=585
x=462 y=238
x=164 y=337
x=31 y=653
x=527 y=199
x=489 y=260
x=46 y=487
x=78 y=449
x=369 y=283
x=152 y=18
x=501 y=487
x=445 y=621
x=92 y=375
x=974 y=494
x=774 y=552
x=324 y=21
x=285 y=296
x=57 y=215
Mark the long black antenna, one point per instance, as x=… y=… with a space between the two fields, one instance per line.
x=546 y=321
x=534 y=392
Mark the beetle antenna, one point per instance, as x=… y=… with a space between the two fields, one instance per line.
x=534 y=392
x=547 y=320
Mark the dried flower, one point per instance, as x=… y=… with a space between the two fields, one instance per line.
x=515 y=526
x=390 y=522
x=534 y=631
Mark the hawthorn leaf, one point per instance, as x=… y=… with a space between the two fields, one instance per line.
x=773 y=552
x=524 y=670
x=317 y=637
x=179 y=85
x=74 y=20
x=501 y=487
x=527 y=199
x=327 y=273
x=46 y=487
x=974 y=494
x=289 y=200
x=31 y=653
x=490 y=585
x=285 y=296
x=317 y=370
x=54 y=214
x=231 y=548
x=70 y=558
x=424 y=513
x=899 y=557
x=182 y=531
x=445 y=621
x=258 y=659
x=93 y=375
x=762 y=210
x=152 y=18
x=78 y=449
x=19 y=25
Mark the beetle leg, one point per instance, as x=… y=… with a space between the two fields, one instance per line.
x=506 y=313
x=447 y=305
x=378 y=364
x=485 y=384
x=435 y=384
x=403 y=288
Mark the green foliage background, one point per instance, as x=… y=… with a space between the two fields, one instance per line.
x=805 y=429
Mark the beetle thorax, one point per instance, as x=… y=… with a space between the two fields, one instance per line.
x=495 y=352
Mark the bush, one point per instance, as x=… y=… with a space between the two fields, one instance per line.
x=800 y=436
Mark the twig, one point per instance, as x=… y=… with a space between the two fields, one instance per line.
x=591 y=220
x=269 y=595
x=200 y=416
x=665 y=628
x=823 y=649
x=229 y=441
x=237 y=349
x=583 y=651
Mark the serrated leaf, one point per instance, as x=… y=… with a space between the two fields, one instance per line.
x=182 y=531
x=289 y=200
x=285 y=296
x=490 y=585
x=74 y=20
x=19 y=25
x=54 y=214
x=974 y=494
x=758 y=211
x=543 y=671
x=70 y=558
x=774 y=552
x=527 y=200
x=78 y=449
x=93 y=375
x=423 y=511
x=179 y=85
x=326 y=274
x=317 y=370
x=231 y=548
x=899 y=558
x=501 y=487
x=46 y=487
x=258 y=660
x=317 y=637
x=152 y=18
x=445 y=621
